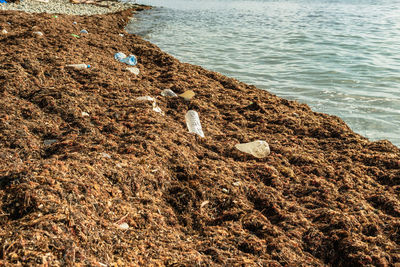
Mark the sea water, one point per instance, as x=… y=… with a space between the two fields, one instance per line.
x=341 y=57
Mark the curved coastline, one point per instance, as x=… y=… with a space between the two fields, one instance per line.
x=120 y=184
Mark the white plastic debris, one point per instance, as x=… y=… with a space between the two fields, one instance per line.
x=133 y=70
x=121 y=35
x=151 y=99
x=85 y=114
x=123 y=226
x=4 y=31
x=157 y=108
x=193 y=123
x=168 y=92
x=50 y=141
x=78 y=66
x=38 y=33
x=259 y=149
x=105 y=155
x=145 y=98
x=102 y=264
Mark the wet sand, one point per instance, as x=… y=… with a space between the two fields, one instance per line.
x=91 y=176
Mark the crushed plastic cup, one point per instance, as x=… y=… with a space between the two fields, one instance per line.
x=168 y=92
x=193 y=123
x=78 y=66
x=259 y=149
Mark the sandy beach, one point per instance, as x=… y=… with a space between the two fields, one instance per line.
x=92 y=176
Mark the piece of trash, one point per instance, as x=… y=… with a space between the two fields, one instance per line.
x=118 y=56
x=85 y=114
x=236 y=183
x=121 y=35
x=84 y=31
x=78 y=66
x=123 y=226
x=157 y=108
x=3 y=2
x=145 y=98
x=133 y=70
x=225 y=190
x=50 y=141
x=38 y=33
x=187 y=95
x=204 y=203
x=105 y=155
x=168 y=92
x=149 y=98
x=102 y=264
x=130 y=60
x=4 y=31
x=55 y=16
x=75 y=35
x=259 y=149
x=193 y=123
x=74 y=22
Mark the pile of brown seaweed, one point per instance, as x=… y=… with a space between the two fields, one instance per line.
x=91 y=176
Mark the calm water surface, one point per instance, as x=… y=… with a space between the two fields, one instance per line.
x=340 y=57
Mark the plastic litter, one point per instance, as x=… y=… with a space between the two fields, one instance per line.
x=4 y=31
x=105 y=155
x=75 y=35
x=121 y=35
x=78 y=66
x=123 y=226
x=38 y=33
x=3 y=2
x=168 y=92
x=133 y=70
x=259 y=149
x=85 y=114
x=84 y=31
x=151 y=99
x=193 y=123
x=50 y=141
x=74 y=22
x=187 y=95
x=145 y=98
x=130 y=60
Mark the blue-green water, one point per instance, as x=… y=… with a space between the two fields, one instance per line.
x=340 y=57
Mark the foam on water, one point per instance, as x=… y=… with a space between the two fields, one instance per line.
x=341 y=57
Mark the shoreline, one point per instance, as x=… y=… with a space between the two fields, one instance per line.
x=120 y=184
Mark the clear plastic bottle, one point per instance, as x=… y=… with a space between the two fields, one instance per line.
x=78 y=66
x=193 y=123
x=130 y=60
x=259 y=149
